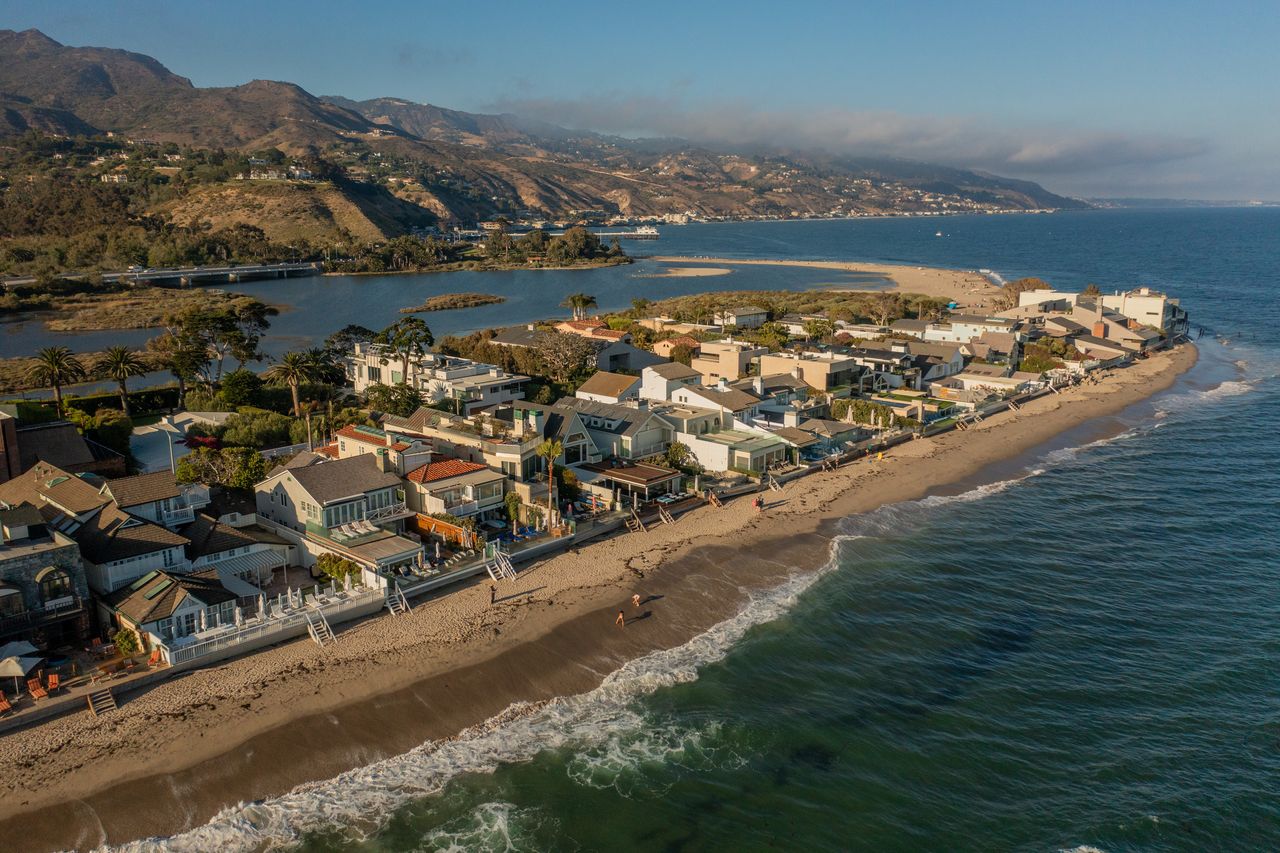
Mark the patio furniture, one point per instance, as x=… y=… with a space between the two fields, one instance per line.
x=53 y=682
x=155 y=658
x=5 y=707
x=36 y=690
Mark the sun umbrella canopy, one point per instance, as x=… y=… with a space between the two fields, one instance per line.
x=16 y=649
x=16 y=667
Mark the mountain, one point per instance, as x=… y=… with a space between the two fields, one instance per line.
x=465 y=166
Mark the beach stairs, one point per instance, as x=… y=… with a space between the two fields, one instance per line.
x=828 y=465
x=666 y=516
x=396 y=602
x=318 y=628
x=500 y=567
x=1015 y=406
x=101 y=701
x=635 y=525
x=713 y=498
x=772 y=483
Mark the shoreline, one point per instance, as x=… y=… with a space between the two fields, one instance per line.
x=970 y=289
x=257 y=726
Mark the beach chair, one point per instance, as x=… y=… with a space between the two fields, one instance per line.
x=53 y=682
x=5 y=707
x=155 y=658
x=36 y=690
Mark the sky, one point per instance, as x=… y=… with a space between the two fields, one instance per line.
x=1134 y=98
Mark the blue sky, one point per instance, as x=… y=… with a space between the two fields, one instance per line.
x=1089 y=98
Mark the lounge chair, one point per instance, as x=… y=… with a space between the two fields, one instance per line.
x=5 y=707
x=53 y=682
x=155 y=658
x=36 y=690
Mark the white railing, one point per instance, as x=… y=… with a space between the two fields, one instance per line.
x=291 y=620
x=388 y=513
x=182 y=515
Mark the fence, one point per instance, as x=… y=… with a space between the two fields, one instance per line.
x=291 y=623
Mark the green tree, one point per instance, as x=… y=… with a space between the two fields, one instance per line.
x=406 y=338
x=400 y=400
x=292 y=370
x=335 y=568
x=120 y=364
x=682 y=353
x=126 y=642
x=232 y=467
x=241 y=388
x=580 y=303
x=513 y=504
x=551 y=450
x=182 y=354
x=1092 y=291
x=818 y=330
x=677 y=454
x=55 y=367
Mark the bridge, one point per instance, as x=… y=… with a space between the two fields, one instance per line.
x=185 y=276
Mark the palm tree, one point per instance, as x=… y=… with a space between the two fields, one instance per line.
x=550 y=450
x=580 y=303
x=55 y=367
x=293 y=369
x=121 y=364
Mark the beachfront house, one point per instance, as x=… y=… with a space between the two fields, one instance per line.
x=354 y=507
x=161 y=607
x=631 y=431
x=738 y=449
x=43 y=586
x=401 y=454
x=158 y=497
x=887 y=368
x=935 y=361
x=117 y=548
x=1150 y=308
x=455 y=486
x=245 y=558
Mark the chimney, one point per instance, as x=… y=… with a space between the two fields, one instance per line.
x=1099 y=329
x=384 y=461
x=723 y=384
x=757 y=385
x=388 y=439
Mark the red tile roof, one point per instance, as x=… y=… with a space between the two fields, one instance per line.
x=443 y=470
x=608 y=334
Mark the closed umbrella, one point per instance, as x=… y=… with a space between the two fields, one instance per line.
x=262 y=605
x=280 y=601
x=346 y=582
x=204 y=621
x=239 y=617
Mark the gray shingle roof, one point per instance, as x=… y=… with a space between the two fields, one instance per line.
x=343 y=478
x=144 y=488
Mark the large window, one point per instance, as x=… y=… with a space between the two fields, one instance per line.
x=54 y=584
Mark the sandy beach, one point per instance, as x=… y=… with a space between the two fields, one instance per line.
x=258 y=726
x=970 y=290
x=688 y=272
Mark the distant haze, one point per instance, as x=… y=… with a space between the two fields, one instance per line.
x=1168 y=99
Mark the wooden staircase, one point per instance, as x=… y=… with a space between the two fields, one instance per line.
x=665 y=515
x=713 y=498
x=500 y=567
x=318 y=628
x=634 y=524
x=396 y=602
x=101 y=701
x=772 y=483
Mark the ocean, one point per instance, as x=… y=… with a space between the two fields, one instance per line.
x=1076 y=651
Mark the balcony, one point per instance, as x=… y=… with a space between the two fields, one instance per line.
x=54 y=610
x=388 y=513
x=177 y=517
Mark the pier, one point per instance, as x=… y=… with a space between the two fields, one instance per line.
x=186 y=276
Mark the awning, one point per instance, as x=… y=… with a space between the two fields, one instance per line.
x=230 y=571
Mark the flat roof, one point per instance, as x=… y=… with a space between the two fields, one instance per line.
x=635 y=473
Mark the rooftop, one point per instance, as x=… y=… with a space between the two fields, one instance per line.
x=443 y=469
x=144 y=488
x=605 y=384
x=343 y=478
x=673 y=370
x=156 y=595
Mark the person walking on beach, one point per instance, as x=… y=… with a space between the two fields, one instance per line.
x=621 y=621
x=635 y=600
x=493 y=594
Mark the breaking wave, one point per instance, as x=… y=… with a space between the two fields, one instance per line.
x=599 y=724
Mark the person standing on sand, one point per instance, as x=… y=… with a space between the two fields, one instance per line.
x=493 y=594
x=635 y=600
x=621 y=621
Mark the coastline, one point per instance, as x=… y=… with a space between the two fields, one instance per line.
x=257 y=726
x=966 y=287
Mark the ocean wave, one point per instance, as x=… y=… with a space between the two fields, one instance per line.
x=359 y=801
x=490 y=826
x=612 y=764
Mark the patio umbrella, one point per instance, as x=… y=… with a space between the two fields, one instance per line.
x=346 y=582
x=17 y=648
x=16 y=667
x=280 y=601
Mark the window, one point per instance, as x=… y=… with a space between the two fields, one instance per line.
x=168 y=557
x=54 y=583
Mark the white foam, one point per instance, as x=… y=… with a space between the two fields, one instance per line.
x=360 y=801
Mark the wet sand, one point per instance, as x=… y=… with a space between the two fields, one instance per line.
x=258 y=726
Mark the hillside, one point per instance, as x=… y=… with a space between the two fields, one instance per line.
x=452 y=165
x=287 y=212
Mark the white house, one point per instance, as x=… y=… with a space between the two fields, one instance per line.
x=659 y=381
x=605 y=387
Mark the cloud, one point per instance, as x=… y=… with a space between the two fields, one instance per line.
x=964 y=141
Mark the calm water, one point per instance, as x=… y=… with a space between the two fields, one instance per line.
x=1076 y=653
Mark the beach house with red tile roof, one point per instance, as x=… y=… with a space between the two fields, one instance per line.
x=457 y=487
